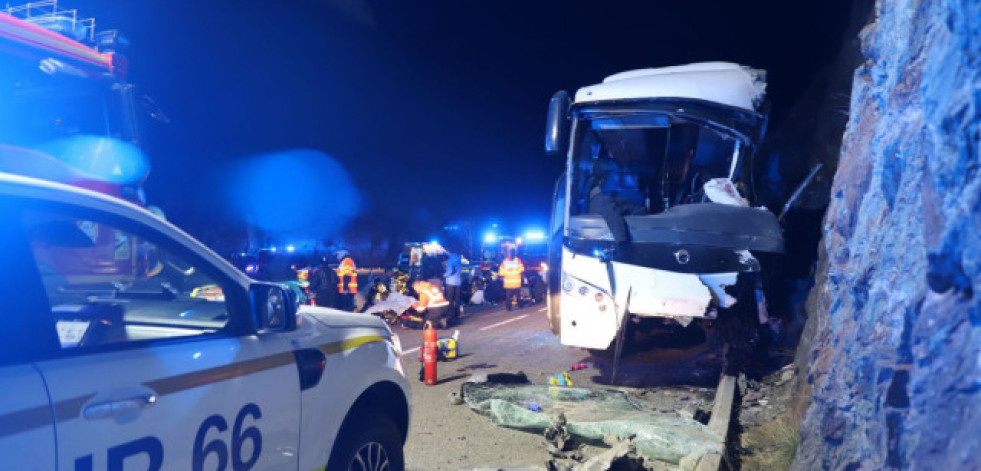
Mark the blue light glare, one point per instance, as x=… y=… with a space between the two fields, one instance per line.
x=102 y=158
x=294 y=193
x=534 y=235
x=290 y=248
x=490 y=237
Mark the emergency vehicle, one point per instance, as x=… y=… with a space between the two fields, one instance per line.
x=69 y=114
x=182 y=364
x=416 y=257
x=532 y=249
x=655 y=220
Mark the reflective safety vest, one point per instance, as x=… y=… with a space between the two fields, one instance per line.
x=347 y=269
x=430 y=296
x=511 y=270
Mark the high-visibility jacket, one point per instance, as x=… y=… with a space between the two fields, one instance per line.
x=430 y=296
x=511 y=270
x=347 y=269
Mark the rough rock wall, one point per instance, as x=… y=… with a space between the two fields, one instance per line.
x=895 y=363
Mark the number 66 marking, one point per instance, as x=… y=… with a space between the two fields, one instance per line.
x=218 y=447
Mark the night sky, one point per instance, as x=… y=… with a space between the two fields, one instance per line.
x=435 y=108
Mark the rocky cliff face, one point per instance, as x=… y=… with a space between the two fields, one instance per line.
x=894 y=363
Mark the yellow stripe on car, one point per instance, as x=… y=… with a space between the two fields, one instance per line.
x=349 y=344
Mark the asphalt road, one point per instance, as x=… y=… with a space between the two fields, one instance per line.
x=444 y=436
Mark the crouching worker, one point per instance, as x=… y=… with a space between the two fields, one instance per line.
x=432 y=303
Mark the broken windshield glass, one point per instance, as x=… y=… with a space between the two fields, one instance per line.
x=647 y=162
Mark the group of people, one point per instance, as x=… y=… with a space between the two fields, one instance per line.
x=438 y=297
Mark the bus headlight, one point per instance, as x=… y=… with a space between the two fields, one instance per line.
x=567 y=284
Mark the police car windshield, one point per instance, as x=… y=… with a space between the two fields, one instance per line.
x=94 y=272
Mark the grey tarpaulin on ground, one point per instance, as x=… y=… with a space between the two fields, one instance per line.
x=593 y=413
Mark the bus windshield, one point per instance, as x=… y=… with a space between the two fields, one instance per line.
x=648 y=161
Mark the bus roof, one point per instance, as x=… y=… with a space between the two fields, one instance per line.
x=719 y=82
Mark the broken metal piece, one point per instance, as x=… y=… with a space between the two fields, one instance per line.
x=722 y=191
x=621 y=456
x=557 y=435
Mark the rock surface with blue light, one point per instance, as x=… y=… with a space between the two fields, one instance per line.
x=895 y=328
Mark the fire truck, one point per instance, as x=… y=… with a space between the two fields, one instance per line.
x=70 y=115
x=532 y=249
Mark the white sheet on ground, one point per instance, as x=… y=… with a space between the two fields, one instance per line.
x=396 y=302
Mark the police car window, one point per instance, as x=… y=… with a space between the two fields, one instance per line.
x=108 y=286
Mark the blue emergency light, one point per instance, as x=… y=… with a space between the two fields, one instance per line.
x=534 y=235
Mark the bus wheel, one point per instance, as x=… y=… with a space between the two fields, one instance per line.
x=554 y=314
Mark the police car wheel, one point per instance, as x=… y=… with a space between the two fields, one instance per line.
x=370 y=444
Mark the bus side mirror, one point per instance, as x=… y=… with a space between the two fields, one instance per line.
x=557 y=124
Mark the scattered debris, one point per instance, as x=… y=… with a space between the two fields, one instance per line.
x=590 y=415
x=622 y=455
x=558 y=441
x=579 y=366
x=723 y=191
x=560 y=379
x=455 y=399
x=695 y=411
x=497 y=378
x=761 y=400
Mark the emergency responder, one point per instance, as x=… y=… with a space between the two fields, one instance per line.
x=378 y=292
x=432 y=303
x=323 y=281
x=511 y=270
x=347 y=280
x=399 y=282
x=452 y=280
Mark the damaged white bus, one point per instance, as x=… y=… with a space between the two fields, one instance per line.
x=654 y=220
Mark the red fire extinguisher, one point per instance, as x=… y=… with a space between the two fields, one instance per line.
x=429 y=354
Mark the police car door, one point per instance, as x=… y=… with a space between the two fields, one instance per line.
x=26 y=425
x=159 y=367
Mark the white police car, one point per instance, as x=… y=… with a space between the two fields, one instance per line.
x=127 y=345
